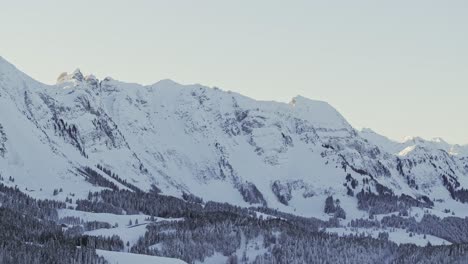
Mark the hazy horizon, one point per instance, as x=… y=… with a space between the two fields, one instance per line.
x=399 y=68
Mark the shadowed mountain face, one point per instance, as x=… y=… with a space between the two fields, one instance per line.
x=212 y=144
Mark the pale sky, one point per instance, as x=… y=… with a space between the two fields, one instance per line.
x=399 y=67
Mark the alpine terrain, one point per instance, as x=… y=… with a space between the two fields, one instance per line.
x=103 y=171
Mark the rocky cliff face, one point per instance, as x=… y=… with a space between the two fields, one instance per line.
x=209 y=143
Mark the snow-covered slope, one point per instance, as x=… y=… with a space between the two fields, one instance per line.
x=213 y=144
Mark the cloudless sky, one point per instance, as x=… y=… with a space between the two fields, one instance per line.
x=399 y=67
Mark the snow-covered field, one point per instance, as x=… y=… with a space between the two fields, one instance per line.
x=129 y=258
x=128 y=233
x=120 y=220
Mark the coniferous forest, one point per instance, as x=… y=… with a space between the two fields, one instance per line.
x=33 y=233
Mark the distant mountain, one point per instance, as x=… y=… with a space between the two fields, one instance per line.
x=396 y=147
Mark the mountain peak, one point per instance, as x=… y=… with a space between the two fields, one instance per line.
x=439 y=140
x=76 y=75
x=320 y=113
x=165 y=83
x=420 y=140
x=412 y=139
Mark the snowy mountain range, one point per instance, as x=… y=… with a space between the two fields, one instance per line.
x=103 y=171
x=213 y=144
